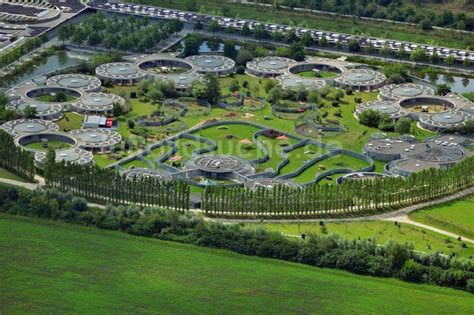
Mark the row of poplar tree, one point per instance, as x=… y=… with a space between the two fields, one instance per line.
x=14 y=159
x=92 y=182
x=365 y=196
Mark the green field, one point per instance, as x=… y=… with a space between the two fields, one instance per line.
x=381 y=231
x=48 y=98
x=322 y=74
x=53 y=144
x=8 y=175
x=51 y=267
x=70 y=121
x=455 y=216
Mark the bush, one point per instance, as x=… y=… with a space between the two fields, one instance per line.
x=370 y=118
x=240 y=70
x=335 y=104
x=386 y=123
x=403 y=125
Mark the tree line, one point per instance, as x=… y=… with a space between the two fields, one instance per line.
x=15 y=159
x=331 y=251
x=395 y=10
x=351 y=197
x=93 y=182
x=31 y=44
x=113 y=33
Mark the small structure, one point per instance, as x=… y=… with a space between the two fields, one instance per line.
x=95 y=122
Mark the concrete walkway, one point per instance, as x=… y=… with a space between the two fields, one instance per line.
x=407 y=220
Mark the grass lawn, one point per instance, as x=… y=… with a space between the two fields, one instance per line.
x=322 y=74
x=382 y=231
x=53 y=144
x=9 y=175
x=70 y=121
x=136 y=164
x=51 y=99
x=455 y=216
x=51 y=267
x=103 y=160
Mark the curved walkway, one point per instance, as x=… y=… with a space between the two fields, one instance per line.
x=400 y=215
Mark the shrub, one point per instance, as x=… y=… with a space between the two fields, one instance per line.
x=370 y=118
x=240 y=70
x=403 y=125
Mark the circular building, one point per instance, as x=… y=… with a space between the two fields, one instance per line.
x=320 y=69
x=269 y=183
x=163 y=65
x=438 y=122
x=43 y=111
x=120 y=73
x=442 y=155
x=216 y=64
x=360 y=80
x=447 y=141
x=41 y=141
x=360 y=176
x=73 y=156
x=29 y=126
x=182 y=81
x=393 y=92
x=427 y=105
x=76 y=81
x=268 y=66
x=219 y=167
x=294 y=82
x=98 y=103
x=406 y=167
x=138 y=173
x=383 y=107
x=102 y=140
x=392 y=149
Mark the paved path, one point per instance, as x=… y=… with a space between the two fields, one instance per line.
x=400 y=215
x=406 y=219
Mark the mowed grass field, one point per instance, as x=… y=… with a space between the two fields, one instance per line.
x=9 y=175
x=51 y=267
x=455 y=216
